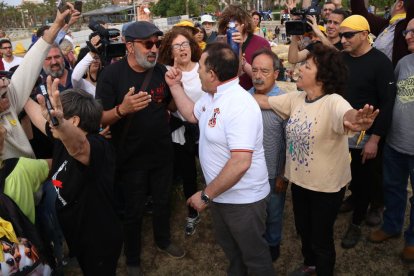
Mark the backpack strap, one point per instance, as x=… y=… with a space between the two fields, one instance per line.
x=7 y=167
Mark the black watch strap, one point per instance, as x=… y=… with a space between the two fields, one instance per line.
x=205 y=198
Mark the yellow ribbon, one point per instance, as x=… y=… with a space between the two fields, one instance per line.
x=6 y=230
x=397 y=17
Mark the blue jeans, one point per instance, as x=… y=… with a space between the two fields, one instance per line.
x=396 y=169
x=274 y=221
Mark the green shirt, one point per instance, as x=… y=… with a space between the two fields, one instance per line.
x=25 y=179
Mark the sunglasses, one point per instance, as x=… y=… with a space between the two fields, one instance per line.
x=349 y=35
x=406 y=32
x=148 y=44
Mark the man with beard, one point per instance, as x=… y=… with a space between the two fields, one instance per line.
x=141 y=134
x=54 y=65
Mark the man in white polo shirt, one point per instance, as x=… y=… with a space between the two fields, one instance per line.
x=232 y=158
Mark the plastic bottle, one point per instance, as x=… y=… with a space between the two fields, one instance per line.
x=234 y=45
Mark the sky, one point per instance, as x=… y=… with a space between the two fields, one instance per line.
x=12 y=2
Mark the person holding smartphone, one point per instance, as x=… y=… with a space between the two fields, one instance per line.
x=14 y=92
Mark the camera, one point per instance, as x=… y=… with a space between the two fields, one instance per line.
x=109 y=48
x=299 y=27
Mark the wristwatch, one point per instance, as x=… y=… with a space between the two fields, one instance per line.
x=205 y=198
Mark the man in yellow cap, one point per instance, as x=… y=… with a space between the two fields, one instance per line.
x=389 y=40
x=370 y=80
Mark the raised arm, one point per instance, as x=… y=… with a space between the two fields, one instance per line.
x=73 y=138
x=294 y=55
x=184 y=104
x=26 y=75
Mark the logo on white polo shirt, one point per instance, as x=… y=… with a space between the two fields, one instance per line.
x=212 y=121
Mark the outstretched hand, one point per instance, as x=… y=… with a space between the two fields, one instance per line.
x=361 y=119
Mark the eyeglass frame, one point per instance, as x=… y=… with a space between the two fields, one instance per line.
x=8 y=47
x=406 y=32
x=146 y=43
x=349 y=35
x=183 y=45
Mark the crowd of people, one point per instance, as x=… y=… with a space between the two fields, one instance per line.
x=87 y=139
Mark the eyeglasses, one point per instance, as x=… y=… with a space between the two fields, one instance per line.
x=183 y=45
x=8 y=47
x=349 y=35
x=406 y=32
x=148 y=44
x=327 y=9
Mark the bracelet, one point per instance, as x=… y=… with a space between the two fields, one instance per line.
x=118 y=112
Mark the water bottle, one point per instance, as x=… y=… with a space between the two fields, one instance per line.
x=234 y=45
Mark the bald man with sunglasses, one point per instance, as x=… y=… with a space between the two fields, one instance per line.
x=370 y=80
x=140 y=130
x=388 y=31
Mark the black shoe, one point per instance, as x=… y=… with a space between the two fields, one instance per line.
x=148 y=206
x=374 y=217
x=274 y=252
x=352 y=236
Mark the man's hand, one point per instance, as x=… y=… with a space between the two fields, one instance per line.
x=362 y=119
x=134 y=102
x=75 y=15
x=280 y=185
x=174 y=75
x=195 y=202
x=370 y=149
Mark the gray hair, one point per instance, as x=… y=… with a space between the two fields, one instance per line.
x=269 y=53
x=76 y=102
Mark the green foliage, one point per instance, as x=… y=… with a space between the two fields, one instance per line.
x=167 y=8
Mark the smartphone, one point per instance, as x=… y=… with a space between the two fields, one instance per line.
x=78 y=6
x=49 y=107
x=62 y=7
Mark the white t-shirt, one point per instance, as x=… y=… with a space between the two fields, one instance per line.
x=14 y=62
x=231 y=120
x=192 y=87
x=317 y=155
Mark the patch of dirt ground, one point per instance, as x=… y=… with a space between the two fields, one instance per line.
x=205 y=257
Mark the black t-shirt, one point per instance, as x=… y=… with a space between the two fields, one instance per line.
x=84 y=202
x=371 y=81
x=339 y=45
x=148 y=141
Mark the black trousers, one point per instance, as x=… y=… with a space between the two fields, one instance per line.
x=366 y=184
x=315 y=214
x=135 y=185
x=185 y=166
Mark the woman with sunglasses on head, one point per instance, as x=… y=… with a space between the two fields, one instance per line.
x=180 y=49
x=87 y=69
x=317 y=156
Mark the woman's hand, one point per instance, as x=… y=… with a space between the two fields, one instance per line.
x=53 y=95
x=362 y=119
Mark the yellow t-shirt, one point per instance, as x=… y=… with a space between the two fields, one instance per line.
x=317 y=156
x=25 y=179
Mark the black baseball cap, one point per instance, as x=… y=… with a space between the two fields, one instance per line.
x=141 y=30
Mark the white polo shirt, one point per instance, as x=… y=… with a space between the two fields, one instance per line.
x=231 y=120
